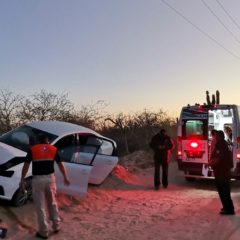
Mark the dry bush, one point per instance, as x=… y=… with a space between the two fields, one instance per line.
x=133 y=132
x=45 y=105
x=9 y=105
x=90 y=115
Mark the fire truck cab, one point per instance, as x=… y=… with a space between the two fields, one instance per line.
x=194 y=137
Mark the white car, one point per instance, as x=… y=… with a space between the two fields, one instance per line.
x=88 y=157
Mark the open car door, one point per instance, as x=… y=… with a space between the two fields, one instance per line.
x=78 y=170
x=78 y=175
x=106 y=158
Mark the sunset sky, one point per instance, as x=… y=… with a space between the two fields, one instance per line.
x=133 y=54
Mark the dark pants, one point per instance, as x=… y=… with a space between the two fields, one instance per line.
x=222 y=181
x=157 y=164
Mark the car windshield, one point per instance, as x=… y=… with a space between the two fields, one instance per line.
x=25 y=136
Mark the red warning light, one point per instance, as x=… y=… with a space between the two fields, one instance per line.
x=194 y=145
x=194 y=149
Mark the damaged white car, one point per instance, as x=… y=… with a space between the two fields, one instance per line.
x=88 y=157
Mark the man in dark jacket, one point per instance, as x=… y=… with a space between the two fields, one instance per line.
x=221 y=163
x=161 y=144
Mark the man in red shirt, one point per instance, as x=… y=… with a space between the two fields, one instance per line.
x=42 y=156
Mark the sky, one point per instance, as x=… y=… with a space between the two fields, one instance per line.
x=132 y=54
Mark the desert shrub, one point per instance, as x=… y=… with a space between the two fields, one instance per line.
x=133 y=132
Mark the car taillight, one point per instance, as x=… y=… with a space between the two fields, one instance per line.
x=179 y=143
x=238 y=156
x=238 y=140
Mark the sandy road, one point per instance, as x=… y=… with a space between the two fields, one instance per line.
x=125 y=207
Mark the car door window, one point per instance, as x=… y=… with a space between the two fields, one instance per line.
x=104 y=162
x=77 y=148
x=88 y=146
x=92 y=144
x=106 y=148
x=66 y=147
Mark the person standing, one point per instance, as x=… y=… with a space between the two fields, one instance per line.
x=221 y=163
x=42 y=157
x=228 y=132
x=161 y=145
x=213 y=142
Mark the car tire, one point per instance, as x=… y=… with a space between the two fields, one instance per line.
x=20 y=197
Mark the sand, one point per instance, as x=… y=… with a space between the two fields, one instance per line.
x=126 y=207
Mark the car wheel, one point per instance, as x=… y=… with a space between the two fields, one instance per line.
x=21 y=197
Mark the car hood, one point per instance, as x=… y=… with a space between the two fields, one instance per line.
x=8 y=152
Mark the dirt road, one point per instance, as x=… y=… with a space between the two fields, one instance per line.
x=126 y=207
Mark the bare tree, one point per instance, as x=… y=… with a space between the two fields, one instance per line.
x=134 y=131
x=45 y=105
x=9 y=105
x=121 y=121
x=91 y=115
x=131 y=131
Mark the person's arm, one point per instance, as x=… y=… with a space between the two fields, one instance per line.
x=62 y=169
x=64 y=173
x=214 y=158
x=168 y=143
x=172 y=144
x=24 y=173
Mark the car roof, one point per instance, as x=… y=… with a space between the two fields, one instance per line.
x=60 y=128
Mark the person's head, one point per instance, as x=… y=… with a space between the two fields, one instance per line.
x=213 y=133
x=42 y=139
x=227 y=130
x=220 y=135
x=163 y=132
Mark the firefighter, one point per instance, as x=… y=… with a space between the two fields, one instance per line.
x=42 y=157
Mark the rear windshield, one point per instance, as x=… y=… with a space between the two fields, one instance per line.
x=195 y=129
x=25 y=136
